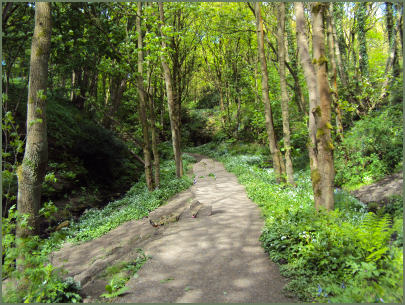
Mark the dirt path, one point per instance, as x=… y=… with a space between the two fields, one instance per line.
x=215 y=258
x=210 y=259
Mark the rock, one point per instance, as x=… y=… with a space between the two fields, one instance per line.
x=195 y=206
x=381 y=190
x=62 y=225
x=205 y=210
x=168 y=213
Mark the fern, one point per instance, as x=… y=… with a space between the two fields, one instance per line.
x=374 y=234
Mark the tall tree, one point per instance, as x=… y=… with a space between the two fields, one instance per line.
x=143 y=104
x=333 y=71
x=32 y=171
x=274 y=150
x=392 y=60
x=284 y=93
x=174 y=113
x=320 y=144
x=361 y=26
x=323 y=111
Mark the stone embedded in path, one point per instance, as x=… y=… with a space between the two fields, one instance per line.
x=168 y=213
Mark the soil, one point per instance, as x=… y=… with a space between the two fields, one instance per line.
x=208 y=256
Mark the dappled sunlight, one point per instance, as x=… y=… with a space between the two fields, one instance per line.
x=210 y=259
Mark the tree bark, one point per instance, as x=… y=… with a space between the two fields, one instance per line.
x=284 y=93
x=323 y=112
x=172 y=103
x=310 y=78
x=156 y=162
x=155 y=138
x=392 y=58
x=363 y=56
x=275 y=152
x=142 y=105
x=333 y=73
x=32 y=171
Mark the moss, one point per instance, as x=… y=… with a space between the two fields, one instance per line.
x=315 y=177
x=330 y=145
x=322 y=60
x=319 y=133
x=329 y=125
x=19 y=173
x=317 y=111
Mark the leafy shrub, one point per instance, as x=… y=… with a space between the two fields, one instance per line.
x=371 y=149
x=35 y=280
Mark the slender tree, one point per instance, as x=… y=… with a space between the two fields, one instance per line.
x=361 y=24
x=284 y=93
x=32 y=171
x=274 y=150
x=174 y=112
x=325 y=147
x=320 y=144
x=333 y=71
x=143 y=104
x=392 y=57
x=310 y=78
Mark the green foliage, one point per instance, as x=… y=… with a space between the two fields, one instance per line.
x=120 y=273
x=12 y=149
x=371 y=149
x=48 y=209
x=104 y=159
x=35 y=280
x=345 y=255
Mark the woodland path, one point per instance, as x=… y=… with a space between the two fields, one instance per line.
x=215 y=258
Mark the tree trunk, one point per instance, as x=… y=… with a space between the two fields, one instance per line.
x=156 y=162
x=363 y=56
x=284 y=94
x=323 y=112
x=391 y=58
x=152 y=96
x=32 y=171
x=72 y=90
x=173 y=108
x=142 y=105
x=310 y=78
x=333 y=73
x=275 y=152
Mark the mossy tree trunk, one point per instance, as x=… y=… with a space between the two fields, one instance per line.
x=32 y=171
x=333 y=72
x=275 y=152
x=324 y=145
x=310 y=78
x=284 y=93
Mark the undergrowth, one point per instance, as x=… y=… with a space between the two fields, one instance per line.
x=120 y=273
x=346 y=255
